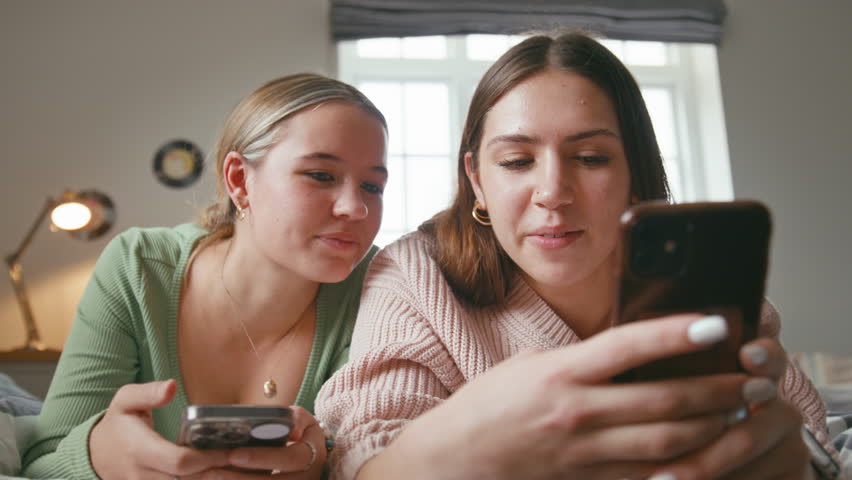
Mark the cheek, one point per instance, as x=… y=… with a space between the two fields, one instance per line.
x=607 y=197
x=507 y=203
x=375 y=208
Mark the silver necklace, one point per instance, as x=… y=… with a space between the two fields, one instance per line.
x=270 y=388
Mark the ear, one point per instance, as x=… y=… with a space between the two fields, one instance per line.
x=473 y=178
x=235 y=175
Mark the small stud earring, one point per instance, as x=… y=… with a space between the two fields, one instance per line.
x=241 y=213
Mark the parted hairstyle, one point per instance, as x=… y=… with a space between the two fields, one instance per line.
x=252 y=129
x=475 y=265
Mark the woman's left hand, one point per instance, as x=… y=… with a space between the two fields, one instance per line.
x=302 y=458
x=765 y=445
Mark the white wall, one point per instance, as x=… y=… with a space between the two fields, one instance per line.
x=786 y=75
x=90 y=89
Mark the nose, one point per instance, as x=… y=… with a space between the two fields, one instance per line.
x=554 y=185
x=350 y=204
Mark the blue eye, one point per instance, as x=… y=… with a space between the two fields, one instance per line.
x=320 y=176
x=372 y=188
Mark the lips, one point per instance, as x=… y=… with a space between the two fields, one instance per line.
x=340 y=240
x=550 y=238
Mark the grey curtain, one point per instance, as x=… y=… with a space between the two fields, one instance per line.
x=661 y=20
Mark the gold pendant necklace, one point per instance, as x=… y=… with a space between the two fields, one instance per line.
x=270 y=388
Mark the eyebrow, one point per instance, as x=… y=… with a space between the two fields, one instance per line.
x=520 y=138
x=334 y=158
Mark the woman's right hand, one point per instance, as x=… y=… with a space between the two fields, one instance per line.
x=556 y=414
x=124 y=445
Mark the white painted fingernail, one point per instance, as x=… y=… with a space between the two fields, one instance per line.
x=757 y=354
x=759 y=390
x=664 y=476
x=737 y=415
x=707 y=330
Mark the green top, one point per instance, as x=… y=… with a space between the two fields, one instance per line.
x=125 y=331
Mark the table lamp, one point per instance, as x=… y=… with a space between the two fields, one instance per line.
x=85 y=215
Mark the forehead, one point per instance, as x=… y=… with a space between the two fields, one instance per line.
x=336 y=127
x=551 y=102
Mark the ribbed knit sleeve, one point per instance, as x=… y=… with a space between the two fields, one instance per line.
x=100 y=355
x=795 y=387
x=398 y=368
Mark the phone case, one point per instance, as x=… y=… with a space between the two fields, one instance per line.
x=709 y=258
x=210 y=427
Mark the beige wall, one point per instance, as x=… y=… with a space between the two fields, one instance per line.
x=91 y=88
x=786 y=75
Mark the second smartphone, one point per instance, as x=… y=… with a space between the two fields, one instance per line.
x=232 y=426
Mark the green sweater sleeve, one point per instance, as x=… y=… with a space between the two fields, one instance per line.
x=100 y=355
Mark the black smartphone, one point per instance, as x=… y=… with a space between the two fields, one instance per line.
x=209 y=427
x=710 y=258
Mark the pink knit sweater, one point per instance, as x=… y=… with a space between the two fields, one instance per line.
x=414 y=345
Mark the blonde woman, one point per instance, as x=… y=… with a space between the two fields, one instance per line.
x=255 y=305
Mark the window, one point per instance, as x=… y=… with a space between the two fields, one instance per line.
x=423 y=86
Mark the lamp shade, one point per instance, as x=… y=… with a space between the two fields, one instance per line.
x=85 y=215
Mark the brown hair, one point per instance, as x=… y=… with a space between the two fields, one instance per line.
x=475 y=265
x=252 y=128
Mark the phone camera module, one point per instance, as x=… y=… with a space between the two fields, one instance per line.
x=658 y=248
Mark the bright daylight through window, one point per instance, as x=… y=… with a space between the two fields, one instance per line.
x=423 y=86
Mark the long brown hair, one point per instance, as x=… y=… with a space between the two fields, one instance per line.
x=475 y=265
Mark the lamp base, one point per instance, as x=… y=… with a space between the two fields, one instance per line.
x=28 y=354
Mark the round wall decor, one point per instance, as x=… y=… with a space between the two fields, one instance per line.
x=178 y=163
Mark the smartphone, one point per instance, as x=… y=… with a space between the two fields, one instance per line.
x=709 y=258
x=208 y=427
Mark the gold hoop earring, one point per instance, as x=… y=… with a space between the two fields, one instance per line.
x=480 y=214
x=241 y=212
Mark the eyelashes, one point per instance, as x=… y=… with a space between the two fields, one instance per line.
x=325 y=177
x=586 y=160
x=515 y=164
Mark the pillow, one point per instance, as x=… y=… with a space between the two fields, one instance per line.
x=16 y=401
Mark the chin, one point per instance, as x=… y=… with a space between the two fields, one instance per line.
x=330 y=272
x=562 y=274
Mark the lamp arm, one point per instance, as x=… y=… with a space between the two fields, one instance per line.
x=13 y=257
x=16 y=274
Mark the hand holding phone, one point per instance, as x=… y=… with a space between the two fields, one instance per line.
x=233 y=426
x=709 y=258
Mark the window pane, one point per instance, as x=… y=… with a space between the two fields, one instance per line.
x=394 y=195
x=387 y=97
x=429 y=183
x=675 y=177
x=659 y=102
x=380 y=48
x=387 y=236
x=615 y=46
x=486 y=47
x=424 y=47
x=427 y=121
x=515 y=39
x=646 y=53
